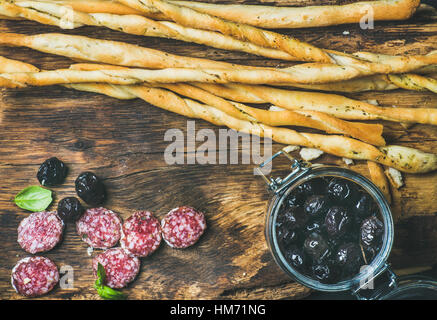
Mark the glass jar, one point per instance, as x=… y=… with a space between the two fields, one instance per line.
x=301 y=172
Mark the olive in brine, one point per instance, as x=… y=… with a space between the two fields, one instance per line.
x=371 y=232
x=342 y=191
x=90 y=188
x=316 y=247
x=70 y=209
x=316 y=206
x=52 y=172
x=337 y=221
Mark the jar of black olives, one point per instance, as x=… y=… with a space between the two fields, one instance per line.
x=331 y=229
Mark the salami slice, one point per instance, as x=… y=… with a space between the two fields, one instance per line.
x=141 y=234
x=40 y=231
x=183 y=226
x=120 y=267
x=99 y=227
x=34 y=276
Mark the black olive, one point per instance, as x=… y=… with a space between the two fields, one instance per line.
x=295 y=199
x=325 y=272
x=70 y=209
x=295 y=257
x=316 y=247
x=316 y=205
x=313 y=186
x=90 y=188
x=342 y=191
x=313 y=227
x=349 y=258
x=364 y=207
x=52 y=172
x=295 y=218
x=286 y=236
x=371 y=232
x=337 y=222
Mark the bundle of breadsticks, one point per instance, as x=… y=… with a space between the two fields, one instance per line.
x=218 y=91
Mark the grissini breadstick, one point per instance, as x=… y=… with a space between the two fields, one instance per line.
x=335 y=105
x=378 y=177
x=106 y=51
x=371 y=133
x=312 y=16
x=268 y=16
x=402 y=158
x=168 y=75
x=138 y=25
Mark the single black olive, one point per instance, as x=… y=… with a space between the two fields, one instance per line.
x=70 y=209
x=295 y=257
x=337 y=222
x=316 y=205
x=316 y=247
x=295 y=199
x=90 y=188
x=313 y=186
x=342 y=191
x=286 y=236
x=52 y=172
x=295 y=218
x=364 y=207
x=371 y=232
x=325 y=272
x=349 y=258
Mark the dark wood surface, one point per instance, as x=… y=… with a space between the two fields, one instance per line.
x=123 y=142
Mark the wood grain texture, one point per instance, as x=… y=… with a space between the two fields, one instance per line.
x=123 y=142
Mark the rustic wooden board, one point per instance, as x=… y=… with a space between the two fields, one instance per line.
x=123 y=142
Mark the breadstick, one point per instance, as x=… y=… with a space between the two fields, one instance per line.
x=139 y=25
x=312 y=16
x=106 y=51
x=335 y=105
x=402 y=158
x=379 y=178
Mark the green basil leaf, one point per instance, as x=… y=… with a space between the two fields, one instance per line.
x=101 y=274
x=108 y=293
x=34 y=198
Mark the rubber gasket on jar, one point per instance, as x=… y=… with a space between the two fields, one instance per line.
x=141 y=234
x=120 y=267
x=100 y=228
x=34 y=276
x=40 y=231
x=183 y=226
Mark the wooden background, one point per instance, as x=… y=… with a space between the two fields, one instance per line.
x=123 y=142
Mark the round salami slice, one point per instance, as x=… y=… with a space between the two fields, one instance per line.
x=34 y=276
x=182 y=227
x=40 y=231
x=99 y=227
x=141 y=234
x=120 y=267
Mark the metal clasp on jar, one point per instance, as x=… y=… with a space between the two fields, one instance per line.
x=278 y=184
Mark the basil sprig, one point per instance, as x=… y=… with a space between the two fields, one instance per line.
x=34 y=198
x=106 y=292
